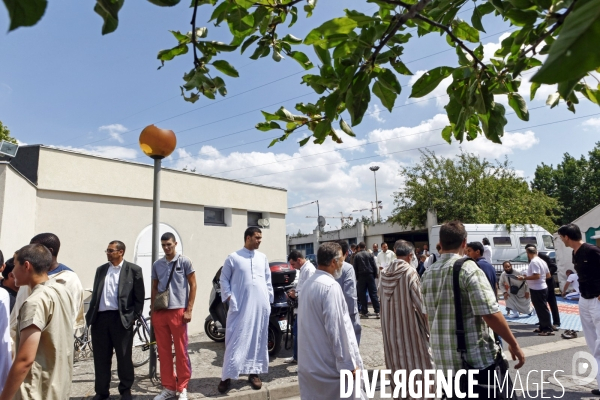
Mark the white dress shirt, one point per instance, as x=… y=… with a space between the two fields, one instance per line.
x=110 y=293
x=385 y=259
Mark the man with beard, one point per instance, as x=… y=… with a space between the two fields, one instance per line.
x=404 y=326
x=326 y=335
x=246 y=285
x=517 y=299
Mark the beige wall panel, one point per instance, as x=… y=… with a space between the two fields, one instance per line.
x=85 y=225
x=108 y=177
x=18 y=211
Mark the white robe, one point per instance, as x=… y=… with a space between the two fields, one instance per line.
x=246 y=278
x=326 y=340
x=5 y=342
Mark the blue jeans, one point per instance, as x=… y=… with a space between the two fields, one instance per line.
x=295 y=333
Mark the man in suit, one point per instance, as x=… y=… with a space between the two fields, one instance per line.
x=117 y=298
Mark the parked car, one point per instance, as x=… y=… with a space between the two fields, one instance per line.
x=312 y=258
x=522 y=258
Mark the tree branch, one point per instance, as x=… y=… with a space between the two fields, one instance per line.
x=397 y=22
x=196 y=62
x=396 y=3
x=454 y=38
x=560 y=19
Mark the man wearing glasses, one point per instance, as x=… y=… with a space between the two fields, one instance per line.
x=175 y=273
x=117 y=298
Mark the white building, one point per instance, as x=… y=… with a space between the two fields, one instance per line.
x=589 y=224
x=88 y=201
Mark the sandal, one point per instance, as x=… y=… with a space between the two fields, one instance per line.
x=546 y=334
x=537 y=331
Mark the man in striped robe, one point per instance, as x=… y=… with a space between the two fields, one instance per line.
x=403 y=323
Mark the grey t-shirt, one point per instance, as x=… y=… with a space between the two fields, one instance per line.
x=179 y=288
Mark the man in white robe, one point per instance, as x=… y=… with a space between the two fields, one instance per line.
x=246 y=286
x=326 y=336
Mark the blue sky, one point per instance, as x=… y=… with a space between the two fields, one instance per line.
x=62 y=83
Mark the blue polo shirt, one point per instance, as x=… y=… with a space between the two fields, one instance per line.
x=488 y=270
x=179 y=288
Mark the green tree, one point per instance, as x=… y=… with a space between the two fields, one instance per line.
x=361 y=55
x=5 y=134
x=575 y=183
x=470 y=189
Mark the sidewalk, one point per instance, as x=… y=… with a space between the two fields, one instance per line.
x=207 y=358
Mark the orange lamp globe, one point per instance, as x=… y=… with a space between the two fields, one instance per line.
x=157 y=143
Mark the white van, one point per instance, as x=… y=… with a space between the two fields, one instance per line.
x=505 y=245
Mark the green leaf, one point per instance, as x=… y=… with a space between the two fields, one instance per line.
x=109 y=11
x=304 y=141
x=302 y=59
x=164 y=3
x=25 y=12
x=342 y=26
x=346 y=128
x=225 y=68
x=331 y=104
x=553 y=100
x=360 y=18
x=323 y=55
x=493 y=123
x=522 y=17
x=277 y=55
x=534 y=87
x=269 y=116
x=447 y=134
x=429 y=81
x=570 y=55
x=566 y=88
x=400 y=67
x=322 y=130
x=387 y=97
x=518 y=104
x=168 y=55
x=592 y=95
x=291 y=39
x=476 y=19
x=358 y=97
x=522 y=4
x=249 y=41
x=389 y=80
x=267 y=126
x=464 y=31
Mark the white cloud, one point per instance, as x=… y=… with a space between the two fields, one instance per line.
x=439 y=93
x=375 y=113
x=114 y=131
x=313 y=172
x=395 y=142
x=593 y=123
x=123 y=153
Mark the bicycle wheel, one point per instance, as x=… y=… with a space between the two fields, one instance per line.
x=141 y=344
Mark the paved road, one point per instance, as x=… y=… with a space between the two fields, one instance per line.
x=548 y=353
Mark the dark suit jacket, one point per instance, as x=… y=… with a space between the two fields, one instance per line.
x=131 y=293
x=364 y=264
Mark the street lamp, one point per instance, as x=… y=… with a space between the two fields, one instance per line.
x=375 y=168
x=157 y=144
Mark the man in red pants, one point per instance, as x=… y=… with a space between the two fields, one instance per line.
x=176 y=273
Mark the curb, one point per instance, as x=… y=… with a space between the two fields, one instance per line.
x=278 y=392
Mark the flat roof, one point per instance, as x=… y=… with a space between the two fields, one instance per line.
x=90 y=154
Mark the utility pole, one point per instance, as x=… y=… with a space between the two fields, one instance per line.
x=375 y=168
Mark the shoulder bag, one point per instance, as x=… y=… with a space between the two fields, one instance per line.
x=500 y=365
x=161 y=302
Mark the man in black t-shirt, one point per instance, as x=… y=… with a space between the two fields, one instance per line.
x=586 y=259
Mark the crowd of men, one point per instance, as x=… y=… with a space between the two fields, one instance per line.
x=418 y=315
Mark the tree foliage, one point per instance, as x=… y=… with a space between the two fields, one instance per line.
x=5 y=134
x=470 y=189
x=361 y=55
x=575 y=183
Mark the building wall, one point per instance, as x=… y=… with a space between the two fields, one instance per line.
x=86 y=224
x=17 y=210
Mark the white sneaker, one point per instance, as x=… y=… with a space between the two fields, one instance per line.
x=166 y=394
x=290 y=360
x=183 y=395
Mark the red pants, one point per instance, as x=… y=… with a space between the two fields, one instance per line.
x=170 y=330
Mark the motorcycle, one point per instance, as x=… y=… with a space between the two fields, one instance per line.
x=282 y=277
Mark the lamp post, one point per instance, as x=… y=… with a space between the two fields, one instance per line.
x=375 y=168
x=157 y=144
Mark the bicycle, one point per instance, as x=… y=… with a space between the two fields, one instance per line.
x=140 y=353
